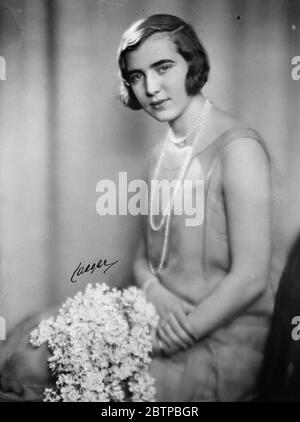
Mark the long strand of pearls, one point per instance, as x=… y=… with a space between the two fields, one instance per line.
x=166 y=216
x=155 y=180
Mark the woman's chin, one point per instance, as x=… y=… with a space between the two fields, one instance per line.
x=162 y=116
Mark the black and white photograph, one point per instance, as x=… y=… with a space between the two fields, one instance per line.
x=149 y=202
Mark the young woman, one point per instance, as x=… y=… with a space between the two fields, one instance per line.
x=207 y=277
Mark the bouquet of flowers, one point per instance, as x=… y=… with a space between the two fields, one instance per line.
x=100 y=344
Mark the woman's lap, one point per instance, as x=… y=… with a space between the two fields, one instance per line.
x=209 y=371
x=185 y=377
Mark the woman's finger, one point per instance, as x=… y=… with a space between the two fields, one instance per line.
x=167 y=334
x=180 y=330
x=163 y=337
x=166 y=349
x=187 y=307
x=185 y=325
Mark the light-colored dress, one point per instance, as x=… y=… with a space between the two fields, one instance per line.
x=223 y=366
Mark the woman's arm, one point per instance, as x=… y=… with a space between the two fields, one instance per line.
x=246 y=186
x=144 y=278
x=165 y=302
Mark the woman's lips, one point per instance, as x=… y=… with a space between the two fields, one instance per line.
x=157 y=105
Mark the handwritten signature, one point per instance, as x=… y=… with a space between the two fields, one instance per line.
x=81 y=269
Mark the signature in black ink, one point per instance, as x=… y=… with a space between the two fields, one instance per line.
x=81 y=269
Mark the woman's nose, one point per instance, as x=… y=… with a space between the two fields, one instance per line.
x=152 y=84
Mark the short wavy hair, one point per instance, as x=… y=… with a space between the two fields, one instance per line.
x=187 y=44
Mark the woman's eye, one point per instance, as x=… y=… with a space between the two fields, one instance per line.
x=135 y=77
x=164 y=68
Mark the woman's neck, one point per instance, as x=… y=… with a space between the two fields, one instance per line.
x=181 y=126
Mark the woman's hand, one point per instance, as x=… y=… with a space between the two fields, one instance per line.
x=168 y=306
x=174 y=331
x=166 y=302
x=164 y=346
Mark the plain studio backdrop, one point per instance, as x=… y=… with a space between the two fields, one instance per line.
x=62 y=129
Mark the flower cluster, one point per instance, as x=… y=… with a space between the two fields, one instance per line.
x=100 y=346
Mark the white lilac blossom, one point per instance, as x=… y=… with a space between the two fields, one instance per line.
x=100 y=344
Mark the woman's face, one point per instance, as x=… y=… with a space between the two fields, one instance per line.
x=157 y=74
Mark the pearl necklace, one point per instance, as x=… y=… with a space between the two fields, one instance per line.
x=181 y=141
x=166 y=216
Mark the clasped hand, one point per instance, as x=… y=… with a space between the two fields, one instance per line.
x=174 y=331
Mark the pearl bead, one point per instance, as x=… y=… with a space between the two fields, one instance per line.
x=166 y=215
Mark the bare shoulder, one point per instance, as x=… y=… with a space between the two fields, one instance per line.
x=244 y=149
x=244 y=152
x=245 y=168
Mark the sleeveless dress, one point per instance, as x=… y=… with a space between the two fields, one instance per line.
x=223 y=366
